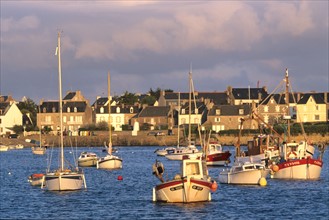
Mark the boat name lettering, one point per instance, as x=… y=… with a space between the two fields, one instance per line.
x=292 y=163
x=318 y=162
x=197 y=187
x=176 y=188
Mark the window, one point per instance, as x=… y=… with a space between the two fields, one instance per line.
x=192 y=169
x=71 y=119
x=196 y=111
x=68 y=109
x=118 y=110
x=131 y=110
x=217 y=111
x=75 y=109
x=48 y=119
x=266 y=108
x=101 y=110
x=53 y=109
x=78 y=119
x=183 y=111
x=64 y=119
x=317 y=107
x=217 y=119
x=316 y=117
x=241 y=112
x=118 y=119
x=277 y=108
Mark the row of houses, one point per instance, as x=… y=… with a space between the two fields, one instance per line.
x=212 y=110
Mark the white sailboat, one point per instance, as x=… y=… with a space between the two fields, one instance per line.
x=180 y=152
x=109 y=161
x=63 y=178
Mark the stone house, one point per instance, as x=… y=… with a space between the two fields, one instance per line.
x=77 y=112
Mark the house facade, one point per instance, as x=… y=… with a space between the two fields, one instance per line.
x=312 y=107
x=10 y=115
x=76 y=113
x=155 y=117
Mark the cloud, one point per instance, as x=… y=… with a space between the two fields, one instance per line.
x=24 y=23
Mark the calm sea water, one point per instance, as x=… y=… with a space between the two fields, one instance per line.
x=131 y=198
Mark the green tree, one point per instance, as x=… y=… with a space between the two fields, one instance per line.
x=128 y=98
x=29 y=108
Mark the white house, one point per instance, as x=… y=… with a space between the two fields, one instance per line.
x=10 y=115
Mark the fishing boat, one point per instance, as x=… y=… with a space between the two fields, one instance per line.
x=192 y=184
x=87 y=159
x=36 y=179
x=297 y=160
x=244 y=174
x=216 y=156
x=63 y=178
x=109 y=161
x=164 y=151
x=182 y=151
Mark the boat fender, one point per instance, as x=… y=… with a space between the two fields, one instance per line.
x=275 y=168
x=292 y=154
x=158 y=168
x=214 y=186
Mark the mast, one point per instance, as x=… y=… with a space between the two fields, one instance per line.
x=189 y=109
x=60 y=98
x=178 y=130
x=109 y=120
x=287 y=103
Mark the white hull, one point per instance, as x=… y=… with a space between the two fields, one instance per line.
x=4 y=148
x=87 y=162
x=246 y=174
x=183 y=191
x=165 y=151
x=109 y=162
x=63 y=181
x=180 y=156
x=38 y=150
x=299 y=169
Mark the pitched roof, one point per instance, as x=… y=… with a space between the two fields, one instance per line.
x=318 y=98
x=154 y=111
x=217 y=98
x=280 y=98
x=49 y=106
x=4 y=106
x=69 y=96
x=229 y=110
x=243 y=93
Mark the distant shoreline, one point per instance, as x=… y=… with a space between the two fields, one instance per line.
x=126 y=139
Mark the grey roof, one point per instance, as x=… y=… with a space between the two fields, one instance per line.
x=200 y=106
x=123 y=109
x=217 y=98
x=243 y=93
x=280 y=98
x=69 y=96
x=318 y=98
x=154 y=111
x=49 y=106
x=4 y=106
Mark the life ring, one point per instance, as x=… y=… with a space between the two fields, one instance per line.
x=292 y=153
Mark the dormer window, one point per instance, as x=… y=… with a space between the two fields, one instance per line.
x=217 y=111
x=183 y=111
x=131 y=110
x=241 y=112
x=44 y=110
x=118 y=110
x=68 y=109
x=75 y=109
x=53 y=109
x=196 y=111
x=101 y=110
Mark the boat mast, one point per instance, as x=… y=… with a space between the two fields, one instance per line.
x=60 y=98
x=109 y=99
x=189 y=109
x=178 y=130
x=287 y=103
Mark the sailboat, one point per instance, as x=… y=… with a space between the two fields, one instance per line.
x=109 y=161
x=38 y=150
x=184 y=151
x=63 y=178
x=297 y=159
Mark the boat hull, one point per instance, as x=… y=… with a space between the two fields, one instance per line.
x=299 y=169
x=109 y=163
x=64 y=181
x=219 y=159
x=38 y=150
x=176 y=156
x=247 y=177
x=183 y=191
x=92 y=162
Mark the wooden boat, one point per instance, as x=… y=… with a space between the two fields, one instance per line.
x=244 y=174
x=87 y=159
x=36 y=179
x=192 y=184
x=63 y=178
x=109 y=161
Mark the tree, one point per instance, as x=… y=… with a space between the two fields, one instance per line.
x=128 y=98
x=29 y=108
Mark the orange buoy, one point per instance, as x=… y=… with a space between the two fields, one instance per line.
x=214 y=186
x=275 y=168
x=120 y=177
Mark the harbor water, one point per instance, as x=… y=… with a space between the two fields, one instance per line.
x=107 y=197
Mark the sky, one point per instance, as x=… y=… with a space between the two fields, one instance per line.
x=154 y=44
